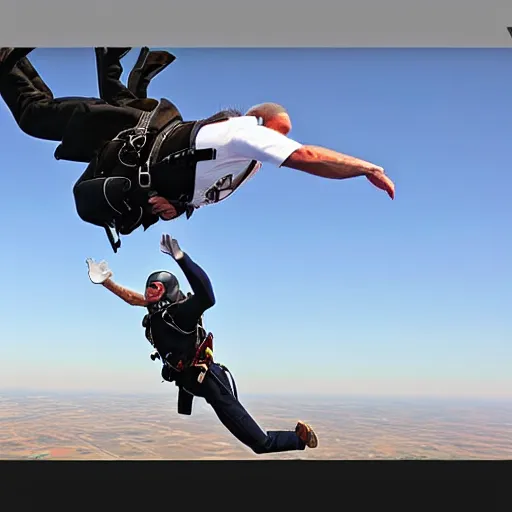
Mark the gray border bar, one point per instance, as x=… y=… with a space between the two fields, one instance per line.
x=259 y=23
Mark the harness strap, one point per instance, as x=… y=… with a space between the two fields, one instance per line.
x=192 y=155
x=145 y=119
x=141 y=126
x=113 y=236
x=164 y=133
x=134 y=140
x=233 y=383
x=189 y=156
x=233 y=391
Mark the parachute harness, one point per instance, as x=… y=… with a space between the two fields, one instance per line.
x=134 y=140
x=203 y=357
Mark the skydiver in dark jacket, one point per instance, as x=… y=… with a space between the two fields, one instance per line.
x=174 y=327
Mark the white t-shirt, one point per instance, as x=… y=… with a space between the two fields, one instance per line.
x=238 y=141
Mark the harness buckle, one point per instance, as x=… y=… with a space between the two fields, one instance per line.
x=202 y=373
x=144 y=176
x=133 y=143
x=137 y=141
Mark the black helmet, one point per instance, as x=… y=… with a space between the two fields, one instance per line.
x=171 y=284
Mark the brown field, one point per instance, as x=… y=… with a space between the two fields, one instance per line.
x=147 y=427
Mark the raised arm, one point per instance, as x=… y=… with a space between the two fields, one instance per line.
x=198 y=280
x=99 y=273
x=203 y=297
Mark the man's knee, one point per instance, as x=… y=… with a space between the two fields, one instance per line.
x=261 y=446
x=258 y=449
x=51 y=119
x=32 y=122
x=28 y=121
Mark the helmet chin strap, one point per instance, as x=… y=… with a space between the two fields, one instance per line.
x=161 y=304
x=165 y=302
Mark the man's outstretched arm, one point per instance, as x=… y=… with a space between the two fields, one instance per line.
x=266 y=145
x=99 y=273
x=129 y=296
x=327 y=163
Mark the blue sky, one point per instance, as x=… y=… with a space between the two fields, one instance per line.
x=322 y=286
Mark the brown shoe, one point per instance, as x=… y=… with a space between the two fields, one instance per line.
x=306 y=434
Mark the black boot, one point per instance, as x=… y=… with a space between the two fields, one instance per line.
x=109 y=70
x=9 y=58
x=148 y=65
x=135 y=74
x=114 y=53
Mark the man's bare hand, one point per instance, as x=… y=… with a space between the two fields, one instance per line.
x=380 y=180
x=163 y=208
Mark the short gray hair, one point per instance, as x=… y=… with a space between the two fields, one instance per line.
x=266 y=110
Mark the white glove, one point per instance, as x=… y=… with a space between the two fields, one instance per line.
x=98 y=272
x=170 y=246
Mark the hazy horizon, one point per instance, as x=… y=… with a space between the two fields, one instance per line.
x=298 y=397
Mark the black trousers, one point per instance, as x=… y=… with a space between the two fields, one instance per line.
x=33 y=106
x=217 y=391
x=42 y=116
